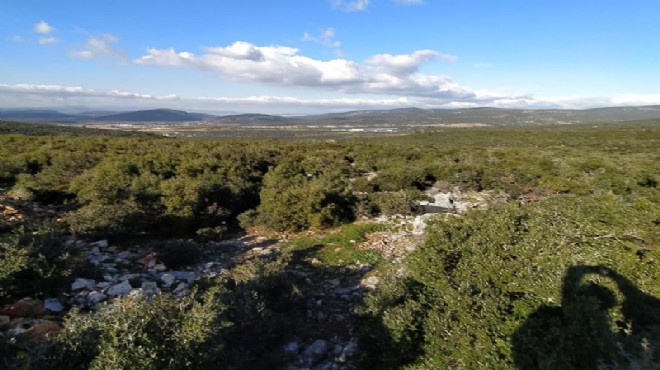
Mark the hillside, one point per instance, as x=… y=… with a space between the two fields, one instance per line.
x=154 y=115
x=40 y=129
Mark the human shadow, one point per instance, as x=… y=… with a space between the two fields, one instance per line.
x=581 y=334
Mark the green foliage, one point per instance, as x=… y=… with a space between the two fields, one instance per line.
x=178 y=253
x=340 y=247
x=38 y=263
x=294 y=199
x=136 y=333
x=479 y=277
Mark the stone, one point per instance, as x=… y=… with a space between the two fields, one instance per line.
x=292 y=347
x=160 y=267
x=120 y=289
x=334 y=283
x=150 y=288
x=167 y=279
x=184 y=275
x=96 y=297
x=4 y=322
x=371 y=282
x=122 y=256
x=41 y=330
x=349 y=351
x=81 y=283
x=102 y=243
x=129 y=277
x=53 y=305
x=26 y=307
x=316 y=352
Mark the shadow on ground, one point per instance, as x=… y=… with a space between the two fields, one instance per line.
x=580 y=334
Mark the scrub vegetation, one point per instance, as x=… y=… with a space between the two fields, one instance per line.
x=564 y=274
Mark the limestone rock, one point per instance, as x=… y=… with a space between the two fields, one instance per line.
x=53 y=305
x=81 y=283
x=120 y=289
x=316 y=352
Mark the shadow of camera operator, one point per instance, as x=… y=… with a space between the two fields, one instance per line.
x=580 y=334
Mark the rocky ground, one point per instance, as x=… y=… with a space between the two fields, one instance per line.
x=327 y=337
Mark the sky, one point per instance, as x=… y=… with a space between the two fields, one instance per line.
x=317 y=56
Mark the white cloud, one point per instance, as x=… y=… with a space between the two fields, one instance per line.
x=327 y=39
x=48 y=40
x=284 y=66
x=16 y=38
x=25 y=95
x=43 y=27
x=99 y=46
x=350 y=5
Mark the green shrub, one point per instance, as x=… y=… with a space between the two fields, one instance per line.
x=483 y=279
x=178 y=253
x=38 y=263
x=136 y=333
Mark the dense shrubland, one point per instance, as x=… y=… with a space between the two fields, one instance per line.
x=572 y=257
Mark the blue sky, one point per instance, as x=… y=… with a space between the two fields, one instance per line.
x=311 y=56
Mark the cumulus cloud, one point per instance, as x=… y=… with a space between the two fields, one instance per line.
x=43 y=28
x=350 y=5
x=99 y=46
x=282 y=65
x=48 y=40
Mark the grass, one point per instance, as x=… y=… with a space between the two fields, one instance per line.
x=338 y=246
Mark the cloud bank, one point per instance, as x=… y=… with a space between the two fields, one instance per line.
x=56 y=96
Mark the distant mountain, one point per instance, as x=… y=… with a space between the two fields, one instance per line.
x=487 y=116
x=410 y=117
x=39 y=115
x=155 y=115
x=253 y=119
x=36 y=129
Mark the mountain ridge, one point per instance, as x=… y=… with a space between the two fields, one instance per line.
x=410 y=116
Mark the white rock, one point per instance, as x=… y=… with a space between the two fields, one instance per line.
x=292 y=347
x=316 y=351
x=96 y=297
x=150 y=288
x=167 y=279
x=53 y=305
x=102 y=243
x=120 y=289
x=81 y=283
x=184 y=275
x=371 y=282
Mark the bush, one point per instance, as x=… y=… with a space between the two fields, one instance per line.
x=178 y=253
x=488 y=277
x=38 y=263
x=136 y=333
x=292 y=200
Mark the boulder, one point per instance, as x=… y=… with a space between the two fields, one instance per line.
x=95 y=298
x=53 y=305
x=26 y=307
x=316 y=352
x=120 y=289
x=167 y=280
x=81 y=283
